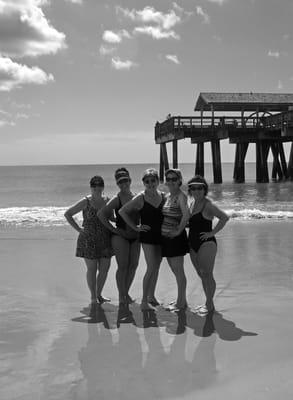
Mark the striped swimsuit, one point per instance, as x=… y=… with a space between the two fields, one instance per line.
x=177 y=246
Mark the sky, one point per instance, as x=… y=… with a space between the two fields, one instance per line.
x=84 y=81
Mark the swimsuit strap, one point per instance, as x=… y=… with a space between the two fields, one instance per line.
x=88 y=201
x=163 y=199
x=120 y=202
x=203 y=207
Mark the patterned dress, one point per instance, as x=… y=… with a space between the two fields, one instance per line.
x=95 y=241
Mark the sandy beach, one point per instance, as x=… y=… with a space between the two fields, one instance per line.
x=52 y=348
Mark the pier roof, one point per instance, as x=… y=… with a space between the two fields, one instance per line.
x=276 y=102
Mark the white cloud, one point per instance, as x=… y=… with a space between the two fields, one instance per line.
x=275 y=54
x=173 y=58
x=220 y=2
x=5 y=123
x=280 y=85
x=156 y=32
x=150 y=15
x=22 y=115
x=115 y=37
x=75 y=1
x=117 y=63
x=217 y=38
x=106 y=50
x=203 y=14
x=157 y=24
x=14 y=75
x=21 y=106
x=25 y=31
x=6 y=113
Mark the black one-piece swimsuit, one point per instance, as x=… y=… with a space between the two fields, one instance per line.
x=120 y=223
x=152 y=216
x=198 y=224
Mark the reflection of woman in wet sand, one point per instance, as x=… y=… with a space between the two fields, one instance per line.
x=95 y=372
x=111 y=360
x=178 y=362
x=173 y=356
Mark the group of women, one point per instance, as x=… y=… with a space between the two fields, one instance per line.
x=155 y=221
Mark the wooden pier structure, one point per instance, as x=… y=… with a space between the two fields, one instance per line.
x=265 y=119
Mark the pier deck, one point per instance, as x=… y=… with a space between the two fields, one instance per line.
x=267 y=123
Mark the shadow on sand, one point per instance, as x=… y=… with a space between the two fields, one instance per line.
x=153 y=354
x=112 y=316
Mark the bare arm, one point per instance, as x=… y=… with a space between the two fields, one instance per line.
x=213 y=211
x=134 y=204
x=105 y=215
x=75 y=209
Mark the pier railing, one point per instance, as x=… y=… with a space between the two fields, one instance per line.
x=278 y=121
x=181 y=125
x=185 y=124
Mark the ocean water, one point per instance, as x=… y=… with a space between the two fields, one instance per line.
x=38 y=195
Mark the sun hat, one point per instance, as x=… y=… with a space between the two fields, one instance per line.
x=198 y=180
x=121 y=175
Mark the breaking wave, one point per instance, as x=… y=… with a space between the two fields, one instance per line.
x=54 y=216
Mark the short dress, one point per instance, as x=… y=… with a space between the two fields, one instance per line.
x=152 y=216
x=95 y=241
x=177 y=246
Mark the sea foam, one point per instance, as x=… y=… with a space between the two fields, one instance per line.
x=54 y=216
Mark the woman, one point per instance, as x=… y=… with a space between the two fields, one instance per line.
x=174 y=237
x=125 y=241
x=149 y=205
x=93 y=243
x=202 y=241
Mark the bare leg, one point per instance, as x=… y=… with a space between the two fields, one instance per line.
x=177 y=267
x=205 y=265
x=134 y=253
x=194 y=259
x=91 y=273
x=103 y=267
x=152 y=288
x=153 y=257
x=121 y=249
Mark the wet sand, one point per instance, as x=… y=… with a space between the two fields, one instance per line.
x=53 y=348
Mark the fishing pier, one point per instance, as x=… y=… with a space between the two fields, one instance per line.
x=264 y=119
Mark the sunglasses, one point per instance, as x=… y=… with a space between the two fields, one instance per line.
x=150 y=180
x=174 y=179
x=97 y=185
x=197 y=187
x=126 y=180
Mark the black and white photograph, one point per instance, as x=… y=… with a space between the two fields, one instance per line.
x=146 y=199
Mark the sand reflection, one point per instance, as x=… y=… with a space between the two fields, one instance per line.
x=131 y=355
